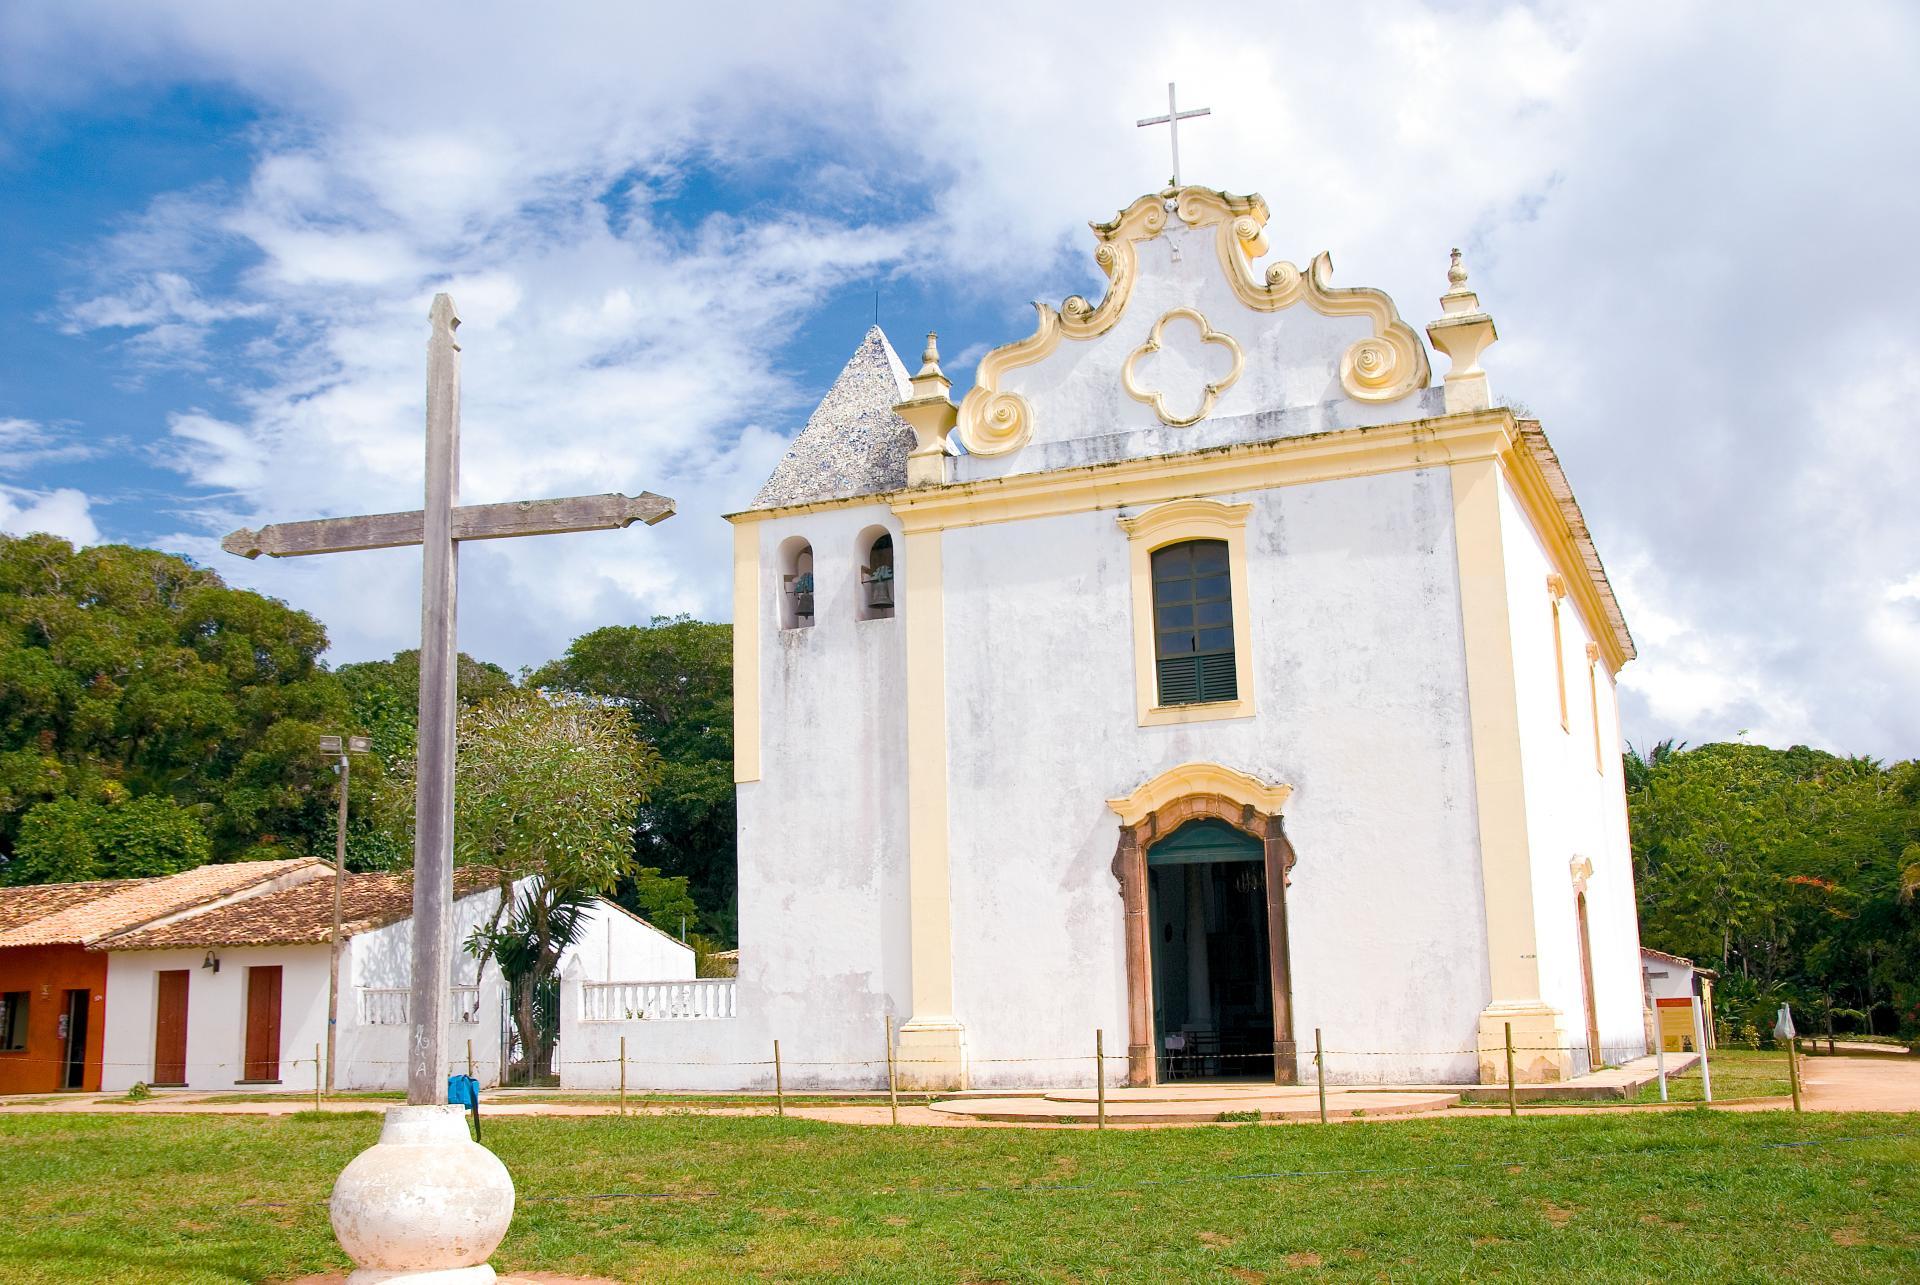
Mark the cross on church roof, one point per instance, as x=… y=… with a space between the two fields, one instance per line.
x=1172 y=121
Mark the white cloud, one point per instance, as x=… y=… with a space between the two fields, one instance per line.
x=1696 y=252
x=64 y=512
x=26 y=444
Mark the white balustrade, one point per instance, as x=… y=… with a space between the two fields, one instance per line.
x=694 y=1000
x=390 y=1006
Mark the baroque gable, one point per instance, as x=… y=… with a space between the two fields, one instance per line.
x=1191 y=331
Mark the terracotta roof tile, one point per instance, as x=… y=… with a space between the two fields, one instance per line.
x=28 y=902
x=296 y=916
x=82 y=913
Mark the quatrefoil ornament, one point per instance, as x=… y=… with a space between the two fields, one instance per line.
x=1210 y=393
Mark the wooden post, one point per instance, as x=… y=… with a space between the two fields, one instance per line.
x=317 y=1076
x=470 y=1074
x=893 y=1092
x=1100 y=1073
x=1320 y=1069
x=439 y=708
x=1660 y=1055
x=1700 y=1044
x=779 y=1088
x=623 y=1075
x=1513 y=1092
x=1793 y=1072
x=333 y=942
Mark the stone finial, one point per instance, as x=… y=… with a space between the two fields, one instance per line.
x=932 y=415
x=1463 y=332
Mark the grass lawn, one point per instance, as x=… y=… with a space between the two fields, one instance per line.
x=1737 y=1073
x=1701 y=1196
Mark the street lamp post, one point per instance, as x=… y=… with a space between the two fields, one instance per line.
x=345 y=749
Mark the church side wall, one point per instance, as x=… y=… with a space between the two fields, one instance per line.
x=1573 y=810
x=823 y=847
x=1359 y=673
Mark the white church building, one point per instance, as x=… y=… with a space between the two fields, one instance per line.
x=1210 y=675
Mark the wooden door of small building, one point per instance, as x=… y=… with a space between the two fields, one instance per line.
x=263 y=1023
x=170 y=1028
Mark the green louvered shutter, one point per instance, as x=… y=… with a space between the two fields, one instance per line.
x=1193 y=623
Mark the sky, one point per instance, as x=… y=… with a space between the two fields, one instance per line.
x=666 y=229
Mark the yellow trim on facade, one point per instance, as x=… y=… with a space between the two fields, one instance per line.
x=746 y=652
x=1200 y=778
x=1578 y=581
x=929 y=892
x=1251 y=466
x=1381 y=367
x=1493 y=702
x=1158 y=527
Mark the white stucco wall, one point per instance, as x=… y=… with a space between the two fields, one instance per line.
x=1573 y=811
x=614 y=945
x=367 y=1056
x=1360 y=706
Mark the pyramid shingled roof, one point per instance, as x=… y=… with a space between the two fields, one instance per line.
x=853 y=443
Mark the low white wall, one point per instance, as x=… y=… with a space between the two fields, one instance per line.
x=709 y=1053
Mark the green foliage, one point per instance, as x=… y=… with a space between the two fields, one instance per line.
x=384 y=697
x=130 y=674
x=1791 y=872
x=71 y=839
x=545 y=786
x=662 y=900
x=674 y=679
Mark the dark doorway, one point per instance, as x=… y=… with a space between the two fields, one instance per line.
x=170 y=1028
x=1212 y=967
x=73 y=1071
x=263 y=1024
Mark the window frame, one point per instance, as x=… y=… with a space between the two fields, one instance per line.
x=1177 y=522
x=17 y=1017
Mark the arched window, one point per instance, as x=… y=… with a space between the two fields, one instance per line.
x=796 y=584
x=876 y=576
x=1193 y=623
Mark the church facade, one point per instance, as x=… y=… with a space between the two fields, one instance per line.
x=1210 y=675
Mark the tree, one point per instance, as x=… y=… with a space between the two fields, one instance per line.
x=131 y=674
x=545 y=789
x=1787 y=870
x=384 y=699
x=674 y=679
x=121 y=838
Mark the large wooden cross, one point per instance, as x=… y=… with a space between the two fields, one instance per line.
x=439 y=529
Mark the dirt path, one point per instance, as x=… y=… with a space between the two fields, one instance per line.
x=1861 y=1083
x=1829 y=1083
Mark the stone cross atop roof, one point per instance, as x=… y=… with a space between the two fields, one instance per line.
x=853 y=443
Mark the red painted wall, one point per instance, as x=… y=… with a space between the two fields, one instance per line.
x=47 y=973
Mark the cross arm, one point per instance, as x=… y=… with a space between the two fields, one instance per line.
x=470 y=522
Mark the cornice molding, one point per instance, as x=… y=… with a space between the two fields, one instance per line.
x=1382 y=367
x=1187 y=519
x=1200 y=778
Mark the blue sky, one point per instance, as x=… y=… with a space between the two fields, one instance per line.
x=223 y=223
